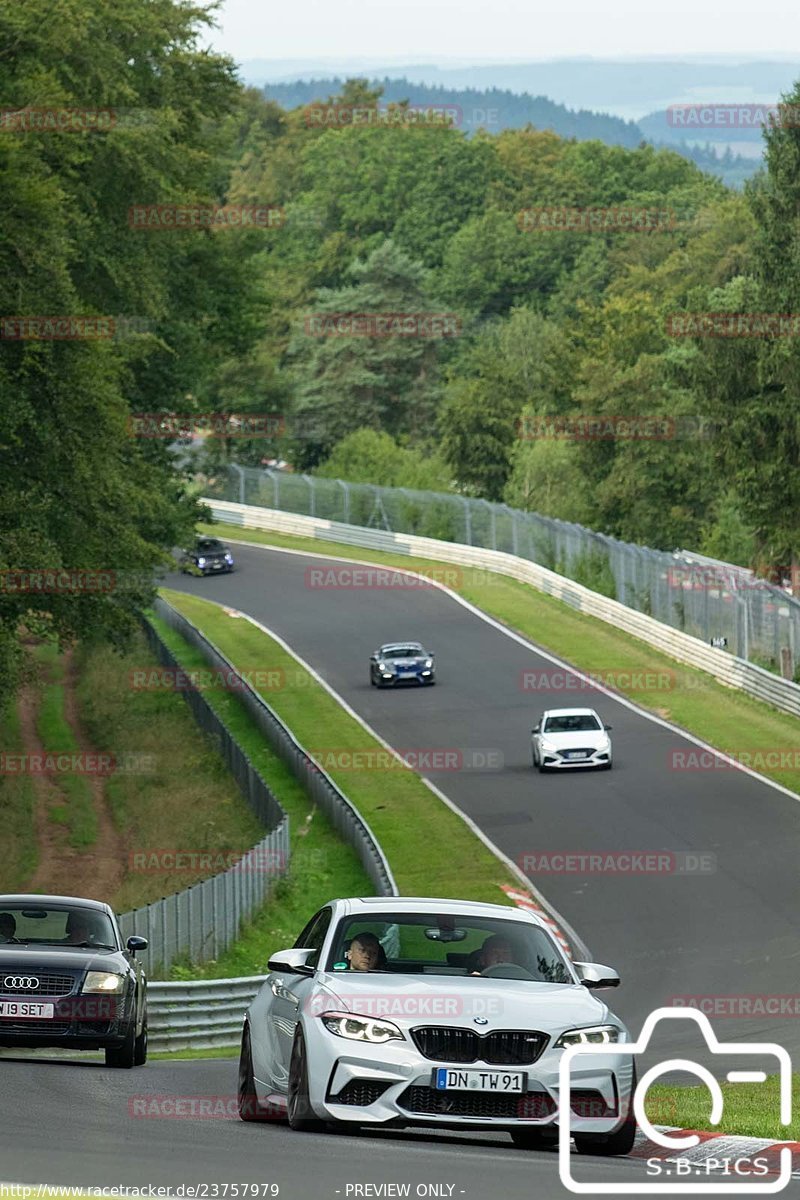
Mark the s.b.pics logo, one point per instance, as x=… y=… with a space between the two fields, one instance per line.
x=619 y=1060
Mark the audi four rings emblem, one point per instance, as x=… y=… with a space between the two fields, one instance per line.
x=21 y=983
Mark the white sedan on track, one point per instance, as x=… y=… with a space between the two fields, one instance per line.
x=400 y=1011
x=570 y=737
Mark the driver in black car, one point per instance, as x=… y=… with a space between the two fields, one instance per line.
x=496 y=949
x=8 y=927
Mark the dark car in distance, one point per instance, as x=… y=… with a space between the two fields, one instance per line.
x=68 y=980
x=208 y=556
x=401 y=662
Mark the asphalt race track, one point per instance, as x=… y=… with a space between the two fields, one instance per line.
x=730 y=932
x=74 y=1123
x=733 y=932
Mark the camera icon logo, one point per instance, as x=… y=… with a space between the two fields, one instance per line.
x=636 y=1104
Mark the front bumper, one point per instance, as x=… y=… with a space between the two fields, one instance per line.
x=398 y=678
x=558 y=761
x=84 y=1022
x=392 y=1084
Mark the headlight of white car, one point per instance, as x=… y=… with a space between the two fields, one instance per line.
x=428 y=662
x=602 y=1034
x=360 y=1029
x=103 y=981
x=549 y=747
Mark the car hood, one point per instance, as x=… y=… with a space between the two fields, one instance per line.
x=55 y=958
x=569 y=741
x=454 y=1000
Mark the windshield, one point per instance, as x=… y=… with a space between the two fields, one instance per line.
x=56 y=926
x=430 y=944
x=577 y=723
x=402 y=651
x=205 y=545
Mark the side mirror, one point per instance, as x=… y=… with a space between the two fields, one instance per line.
x=136 y=943
x=594 y=975
x=293 y=961
x=607 y=727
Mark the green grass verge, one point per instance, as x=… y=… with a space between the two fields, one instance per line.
x=724 y=717
x=78 y=813
x=178 y=795
x=20 y=852
x=322 y=865
x=430 y=849
x=176 y=1055
x=750 y=1109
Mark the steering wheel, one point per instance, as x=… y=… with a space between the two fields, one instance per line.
x=506 y=970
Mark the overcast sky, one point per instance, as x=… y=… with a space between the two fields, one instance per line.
x=503 y=30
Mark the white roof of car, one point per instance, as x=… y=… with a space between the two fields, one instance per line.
x=570 y=712
x=436 y=905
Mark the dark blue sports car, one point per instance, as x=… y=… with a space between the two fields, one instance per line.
x=401 y=662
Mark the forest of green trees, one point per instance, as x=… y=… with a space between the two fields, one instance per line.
x=383 y=216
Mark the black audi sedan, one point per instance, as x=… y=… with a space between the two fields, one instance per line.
x=67 y=980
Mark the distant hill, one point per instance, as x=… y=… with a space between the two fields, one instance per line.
x=628 y=88
x=495 y=109
x=491 y=109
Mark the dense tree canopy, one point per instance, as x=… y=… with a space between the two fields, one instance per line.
x=548 y=327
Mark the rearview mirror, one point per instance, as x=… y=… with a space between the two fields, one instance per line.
x=445 y=935
x=594 y=975
x=293 y=961
x=607 y=727
x=136 y=943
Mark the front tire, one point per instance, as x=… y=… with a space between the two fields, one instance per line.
x=247 y=1099
x=123 y=1056
x=301 y=1114
x=140 y=1046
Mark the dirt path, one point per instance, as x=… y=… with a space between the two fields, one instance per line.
x=63 y=870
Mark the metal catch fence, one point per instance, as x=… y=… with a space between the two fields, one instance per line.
x=754 y=619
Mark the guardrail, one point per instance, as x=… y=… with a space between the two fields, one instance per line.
x=725 y=667
x=198 y=1015
x=318 y=785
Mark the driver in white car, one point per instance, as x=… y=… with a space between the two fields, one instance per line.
x=496 y=949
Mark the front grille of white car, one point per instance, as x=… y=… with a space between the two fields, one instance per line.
x=430 y=1101
x=502 y=1047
